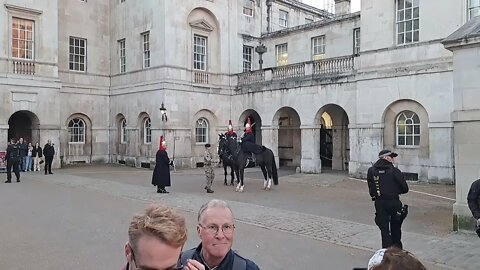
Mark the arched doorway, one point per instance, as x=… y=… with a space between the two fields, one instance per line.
x=289 y=137
x=334 y=137
x=24 y=124
x=256 y=122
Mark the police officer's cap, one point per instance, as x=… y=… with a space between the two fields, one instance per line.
x=207 y=145
x=385 y=153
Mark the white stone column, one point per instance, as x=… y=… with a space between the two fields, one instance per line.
x=465 y=45
x=270 y=140
x=310 y=162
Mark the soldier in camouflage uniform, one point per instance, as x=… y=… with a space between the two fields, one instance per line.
x=208 y=163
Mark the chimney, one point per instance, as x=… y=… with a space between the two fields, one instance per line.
x=342 y=7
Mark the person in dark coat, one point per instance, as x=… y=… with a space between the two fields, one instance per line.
x=473 y=200
x=385 y=184
x=161 y=173
x=248 y=144
x=37 y=156
x=13 y=157
x=48 y=152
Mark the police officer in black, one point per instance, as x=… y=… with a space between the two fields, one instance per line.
x=13 y=160
x=385 y=184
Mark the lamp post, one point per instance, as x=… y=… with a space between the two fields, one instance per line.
x=163 y=112
x=260 y=49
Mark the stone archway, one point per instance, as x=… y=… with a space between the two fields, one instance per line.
x=24 y=124
x=256 y=122
x=334 y=146
x=289 y=137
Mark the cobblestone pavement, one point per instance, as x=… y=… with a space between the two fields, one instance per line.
x=456 y=250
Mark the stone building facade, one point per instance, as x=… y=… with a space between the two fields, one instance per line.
x=324 y=91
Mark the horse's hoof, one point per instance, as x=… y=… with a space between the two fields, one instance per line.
x=225 y=184
x=232 y=184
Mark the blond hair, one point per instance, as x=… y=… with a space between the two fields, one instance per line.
x=161 y=222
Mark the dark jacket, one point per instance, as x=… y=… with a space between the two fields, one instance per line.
x=249 y=146
x=161 y=173
x=473 y=199
x=23 y=149
x=385 y=181
x=37 y=150
x=13 y=153
x=226 y=264
x=48 y=150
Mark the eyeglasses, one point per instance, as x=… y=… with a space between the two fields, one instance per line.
x=179 y=265
x=213 y=229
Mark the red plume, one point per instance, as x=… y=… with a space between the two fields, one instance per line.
x=162 y=144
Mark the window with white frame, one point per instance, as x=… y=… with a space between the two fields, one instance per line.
x=22 y=38
x=201 y=131
x=473 y=8
x=146 y=49
x=356 y=41
x=408 y=22
x=123 y=131
x=76 y=130
x=77 y=54
x=281 y=53
x=247 y=58
x=121 y=55
x=147 y=131
x=283 y=18
x=248 y=7
x=408 y=129
x=308 y=20
x=318 y=47
x=199 y=52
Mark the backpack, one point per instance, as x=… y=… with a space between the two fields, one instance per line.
x=239 y=263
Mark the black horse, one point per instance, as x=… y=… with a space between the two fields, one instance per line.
x=227 y=161
x=231 y=148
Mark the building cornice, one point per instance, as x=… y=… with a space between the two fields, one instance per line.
x=23 y=9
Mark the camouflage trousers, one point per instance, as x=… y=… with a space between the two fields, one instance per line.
x=210 y=174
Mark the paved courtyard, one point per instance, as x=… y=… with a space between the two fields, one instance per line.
x=78 y=219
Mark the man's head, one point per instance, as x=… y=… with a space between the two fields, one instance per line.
x=394 y=258
x=49 y=142
x=387 y=155
x=155 y=238
x=13 y=141
x=20 y=140
x=208 y=146
x=215 y=228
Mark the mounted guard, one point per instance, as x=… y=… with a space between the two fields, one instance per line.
x=230 y=132
x=248 y=144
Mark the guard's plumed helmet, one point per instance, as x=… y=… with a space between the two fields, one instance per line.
x=163 y=143
x=230 y=126
x=248 y=126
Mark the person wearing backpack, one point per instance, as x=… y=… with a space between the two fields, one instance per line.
x=13 y=160
x=215 y=229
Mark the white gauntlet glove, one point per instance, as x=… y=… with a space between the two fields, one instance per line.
x=478 y=222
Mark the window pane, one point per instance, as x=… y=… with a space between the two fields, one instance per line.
x=415 y=13
x=409 y=140
x=401 y=140
x=416 y=129
x=416 y=140
x=408 y=3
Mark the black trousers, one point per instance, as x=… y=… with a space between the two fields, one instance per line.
x=387 y=218
x=48 y=164
x=13 y=164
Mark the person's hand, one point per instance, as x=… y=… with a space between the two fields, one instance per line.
x=193 y=265
x=478 y=222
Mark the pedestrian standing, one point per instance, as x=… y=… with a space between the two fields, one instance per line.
x=48 y=153
x=37 y=156
x=385 y=184
x=208 y=163
x=29 y=157
x=23 y=154
x=161 y=173
x=13 y=160
x=473 y=199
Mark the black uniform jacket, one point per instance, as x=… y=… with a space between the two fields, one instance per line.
x=249 y=146
x=391 y=181
x=161 y=173
x=473 y=199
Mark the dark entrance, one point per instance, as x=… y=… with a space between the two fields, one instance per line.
x=24 y=124
x=326 y=147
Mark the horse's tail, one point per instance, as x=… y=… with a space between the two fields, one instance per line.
x=274 y=171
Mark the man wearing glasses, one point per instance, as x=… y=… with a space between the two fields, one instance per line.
x=155 y=241
x=215 y=229
x=385 y=184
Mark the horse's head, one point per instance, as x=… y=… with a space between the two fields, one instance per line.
x=222 y=145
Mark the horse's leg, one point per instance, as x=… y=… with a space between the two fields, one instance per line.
x=241 y=175
x=232 y=176
x=269 y=182
x=264 y=171
x=225 y=170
